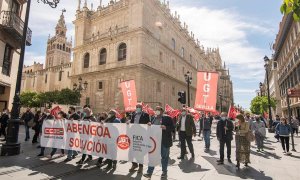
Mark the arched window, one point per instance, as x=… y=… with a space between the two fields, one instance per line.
x=64 y=47
x=122 y=52
x=57 y=46
x=102 y=58
x=60 y=47
x=173 y=44
x=86 y=60
x=182 y=52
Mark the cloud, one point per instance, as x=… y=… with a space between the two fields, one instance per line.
x=230 y=32
x=240 y=91
x=32 y=57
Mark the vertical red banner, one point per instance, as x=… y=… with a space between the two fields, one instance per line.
x=129 y=95
x=206 y=96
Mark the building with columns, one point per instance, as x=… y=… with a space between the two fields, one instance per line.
x=287 y=55
x=12 y=15
x=140 y=40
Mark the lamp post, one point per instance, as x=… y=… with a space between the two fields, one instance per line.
x=267 y=61
x=188 y=80
x=12 y=146
x=81 y=86
x=260 y=88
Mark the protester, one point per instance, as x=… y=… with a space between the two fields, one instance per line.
x=186 y=129
x=167 y=126
x=259 y=129
x=295 y=125
x=138 y=117
x=4 y=122
x=174 y=120
x=200 y=130
x=242 y=143
x=224 y=135
x=72 y=116
x=88 y=116
x=275 y=123
x=60 y=117
x=36 y=127
x=205 y=127
x=284 y=131
x=102 y=117
x=111 y=118
x=48 y=117
x=26 y=117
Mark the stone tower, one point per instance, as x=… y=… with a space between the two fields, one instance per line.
x=58 y=47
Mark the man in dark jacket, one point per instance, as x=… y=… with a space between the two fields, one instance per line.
x=224 y=135
x=205 y=127
x=4 y=121
x=26 y=117
x=167 y=126
x=72 y=116
x=138 y=117
x=187 y=129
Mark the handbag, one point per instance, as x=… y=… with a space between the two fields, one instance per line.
x=31 y=123
x=250 y=136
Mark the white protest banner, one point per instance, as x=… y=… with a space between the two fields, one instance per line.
x=134 y=143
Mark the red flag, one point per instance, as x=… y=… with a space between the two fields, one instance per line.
x=118 y=114
x=232 y=113
x=150 y=111
x=171 y=112
x=129 y=95
x=206 y=96
x=55 y=111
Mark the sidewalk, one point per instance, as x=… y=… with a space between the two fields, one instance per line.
x=271 y=164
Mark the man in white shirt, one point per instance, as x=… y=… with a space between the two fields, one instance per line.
x=187 y=129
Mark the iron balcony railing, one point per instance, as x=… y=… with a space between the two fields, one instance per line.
x=14 y=25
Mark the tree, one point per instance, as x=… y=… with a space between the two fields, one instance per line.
x=67 y=96
x=291 y=6
x=29 y=99
x=260 y=104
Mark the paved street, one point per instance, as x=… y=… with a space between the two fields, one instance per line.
x=269 y=165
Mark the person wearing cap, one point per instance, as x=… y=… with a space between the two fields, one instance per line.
x=167 y=127
x=187 y=130
x=242 y=143
x=138 y=117
x=224 y=134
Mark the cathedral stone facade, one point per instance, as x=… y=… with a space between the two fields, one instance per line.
x=131 y=39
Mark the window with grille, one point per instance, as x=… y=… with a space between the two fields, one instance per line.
x=103 y=55
x=86 y=60
x=122 y=52
x=7 y=60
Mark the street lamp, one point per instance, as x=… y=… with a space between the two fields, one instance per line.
x=188 y=80
x=12 y=146
x=260 y=88
x=81 y=86
x=267 y=61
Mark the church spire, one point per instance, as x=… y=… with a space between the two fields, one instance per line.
x=61 y=27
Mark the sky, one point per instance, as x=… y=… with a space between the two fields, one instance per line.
x=243 y=30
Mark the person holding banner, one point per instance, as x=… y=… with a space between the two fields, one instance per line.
x=72 y=116
x=88 y=116
x=111 y=118
x=187 y=129
x=167 y=126
x=138 y=117
x=224 y=134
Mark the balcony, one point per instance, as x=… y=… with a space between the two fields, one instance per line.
x=14 y=25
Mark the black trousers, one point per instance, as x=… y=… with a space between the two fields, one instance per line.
x=184 y=138
x=295 y=130
x=84 y=156
x=136 y=164
x=36 y=134
x=222 y=145
x=2 y=130
x=285 y=143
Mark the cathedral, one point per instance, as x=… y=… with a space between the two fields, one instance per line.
x=124 y=40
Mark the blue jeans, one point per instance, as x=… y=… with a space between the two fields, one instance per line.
x=27 y=131
x=164 y=160
x=206 y=136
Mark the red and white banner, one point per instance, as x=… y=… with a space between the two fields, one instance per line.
x=171 y=112
x=206 y=96
x=133 y=142
x=129 y=95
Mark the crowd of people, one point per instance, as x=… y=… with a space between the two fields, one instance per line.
x=244 y=129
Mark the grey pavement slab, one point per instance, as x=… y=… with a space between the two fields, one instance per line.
x=271 y=164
